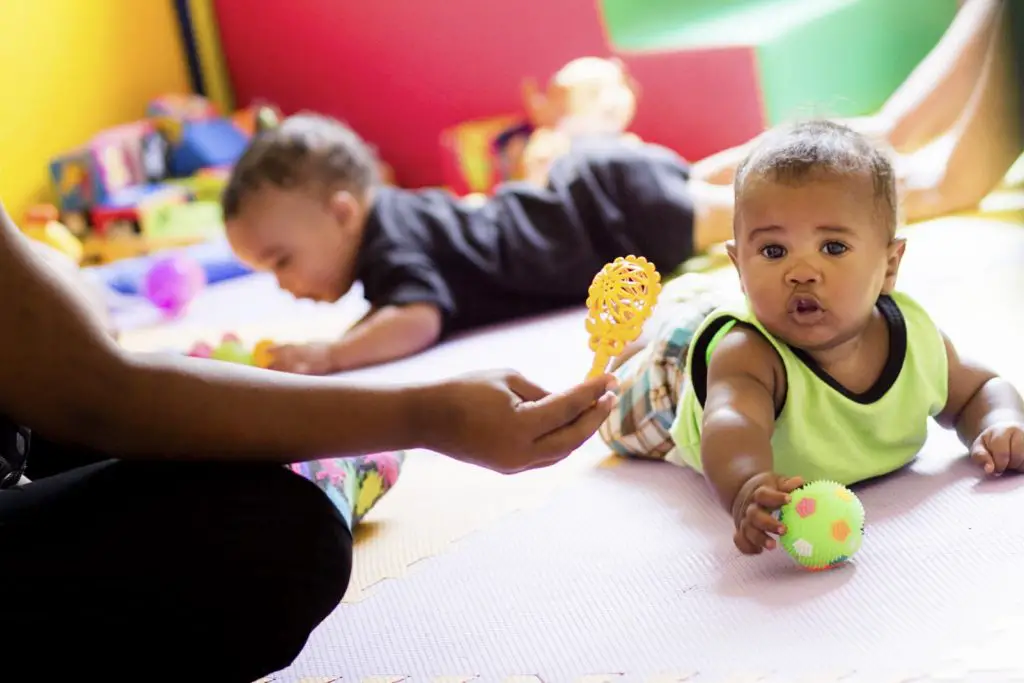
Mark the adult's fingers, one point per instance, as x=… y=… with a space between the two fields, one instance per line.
x=555 y=411
x=568 y=437
x=524 y=388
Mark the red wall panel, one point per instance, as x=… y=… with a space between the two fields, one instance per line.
x=399 y=71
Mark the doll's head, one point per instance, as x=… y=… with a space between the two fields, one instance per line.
x=586 y=96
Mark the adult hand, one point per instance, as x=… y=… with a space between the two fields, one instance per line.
x=504 y=422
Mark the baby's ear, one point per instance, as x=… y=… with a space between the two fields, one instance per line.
x=345 y=207
x=730 y=249
x=896 y=249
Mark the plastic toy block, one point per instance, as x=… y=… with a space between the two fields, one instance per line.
x=812 y=57
x=109 y=163
x=198 y=220
x=182 y=107
x=136 y=204
x=217 y=142
x=75 y=180
x=206 y=185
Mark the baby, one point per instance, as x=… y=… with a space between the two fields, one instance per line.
x=304 y=202
x=823 y=368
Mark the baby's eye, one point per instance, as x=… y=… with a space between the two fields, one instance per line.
x=834 y=248
x=282 y=262
x=773 y=251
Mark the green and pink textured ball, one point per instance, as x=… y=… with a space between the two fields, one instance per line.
x=824 y=524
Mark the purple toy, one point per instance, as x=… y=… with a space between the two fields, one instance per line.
x=172 y=282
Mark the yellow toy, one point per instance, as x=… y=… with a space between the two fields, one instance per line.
x=42 y=223
x=261 y=355
x=620 y=301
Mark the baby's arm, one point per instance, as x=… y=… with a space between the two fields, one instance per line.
x=386 y=334
x=987 y=413
x=744 y=380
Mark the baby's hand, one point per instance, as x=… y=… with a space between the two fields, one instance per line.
x=302 y=359
x=753 y=516
x=999 y=448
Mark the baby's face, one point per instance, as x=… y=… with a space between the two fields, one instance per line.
x=299 y=237
x=813 y=257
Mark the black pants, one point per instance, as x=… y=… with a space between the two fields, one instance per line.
x=153 y=571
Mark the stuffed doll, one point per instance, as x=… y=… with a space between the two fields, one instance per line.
x=588 y=96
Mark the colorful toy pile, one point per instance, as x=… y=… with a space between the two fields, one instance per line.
x=152 y=183
x=231 y=349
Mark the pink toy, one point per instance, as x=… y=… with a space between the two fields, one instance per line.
x=201 y=350
x=173 y=282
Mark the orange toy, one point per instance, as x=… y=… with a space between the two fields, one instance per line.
x=261 y=353
x=620 y=300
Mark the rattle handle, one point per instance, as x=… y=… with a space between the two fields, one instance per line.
x=601 y=359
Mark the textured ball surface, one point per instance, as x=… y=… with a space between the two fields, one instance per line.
x=231 y=352
x=824 y=524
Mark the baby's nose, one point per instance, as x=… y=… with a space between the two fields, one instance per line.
x=803 y=274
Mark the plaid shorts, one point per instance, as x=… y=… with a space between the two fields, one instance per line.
x=651 y=382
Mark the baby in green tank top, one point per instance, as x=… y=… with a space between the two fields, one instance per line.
x=820 y=350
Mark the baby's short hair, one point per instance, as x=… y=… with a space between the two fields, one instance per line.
x=794 y=153
x=305 y=149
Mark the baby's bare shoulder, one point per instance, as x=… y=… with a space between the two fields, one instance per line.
x=744 y=355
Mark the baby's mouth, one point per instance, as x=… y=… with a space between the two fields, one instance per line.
x=805 y=309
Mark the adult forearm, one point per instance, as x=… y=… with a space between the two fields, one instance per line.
x=167 y=406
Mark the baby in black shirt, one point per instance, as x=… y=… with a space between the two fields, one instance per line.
x=304 y=201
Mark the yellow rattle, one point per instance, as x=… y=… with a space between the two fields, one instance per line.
x=620 y=301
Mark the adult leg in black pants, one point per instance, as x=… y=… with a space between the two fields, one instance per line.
x=163 y=571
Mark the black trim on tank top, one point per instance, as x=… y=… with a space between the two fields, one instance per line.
x=699 y=369
x=897 y=325
x=897 y=354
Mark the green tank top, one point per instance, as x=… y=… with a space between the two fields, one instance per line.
x=824 y=431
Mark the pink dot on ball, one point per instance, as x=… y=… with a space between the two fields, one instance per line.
x=173 y=282
x=805 y=508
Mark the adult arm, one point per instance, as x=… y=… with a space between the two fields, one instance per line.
x=62 y=375
x=936 y=92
